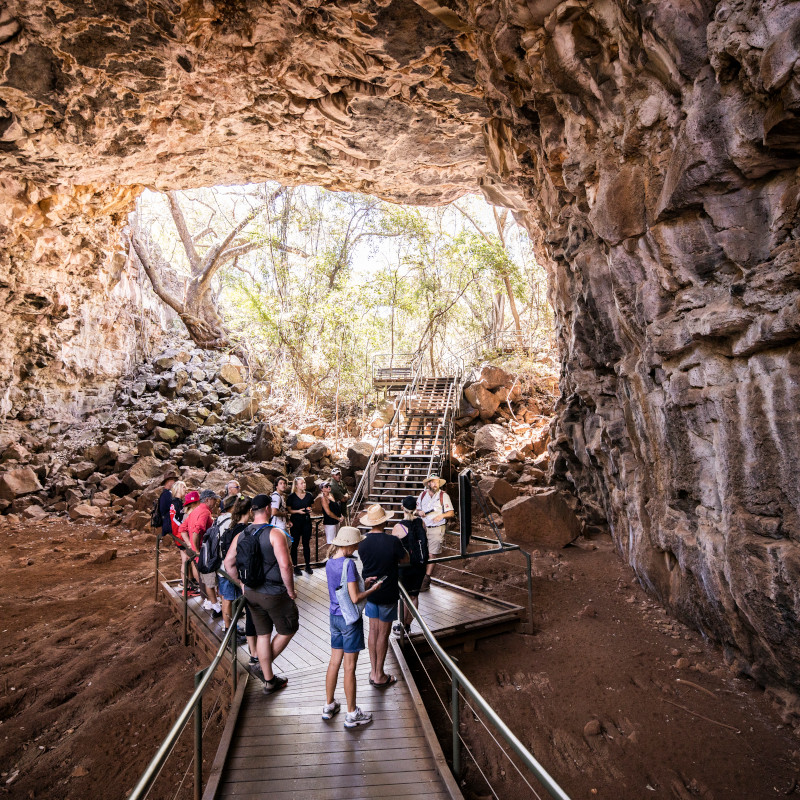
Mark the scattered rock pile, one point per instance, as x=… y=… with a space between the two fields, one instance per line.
x=202 y=414
x=505 y=440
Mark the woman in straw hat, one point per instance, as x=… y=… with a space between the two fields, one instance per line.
x=434 y=506
x=347 y=640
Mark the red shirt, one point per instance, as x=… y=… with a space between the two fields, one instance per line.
x=197 y=522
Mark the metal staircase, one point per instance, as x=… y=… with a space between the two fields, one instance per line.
x=414 y=444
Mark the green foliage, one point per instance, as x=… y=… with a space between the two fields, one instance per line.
x=338 y=277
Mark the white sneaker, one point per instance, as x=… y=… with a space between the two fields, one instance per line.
x=358 y=717
x=330 y=710
x=216 y=608
x=207 y=605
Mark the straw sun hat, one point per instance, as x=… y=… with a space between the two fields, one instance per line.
x=440 y=481
x=375 y=515
x=347 y=536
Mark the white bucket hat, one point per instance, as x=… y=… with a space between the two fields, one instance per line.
x=439 y=481
x=347 y=536
x=375 y=515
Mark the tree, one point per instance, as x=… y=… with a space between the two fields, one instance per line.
x=191 y=297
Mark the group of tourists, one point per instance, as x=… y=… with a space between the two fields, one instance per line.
x=256 y=542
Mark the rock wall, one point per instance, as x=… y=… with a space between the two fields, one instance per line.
x=652 y=147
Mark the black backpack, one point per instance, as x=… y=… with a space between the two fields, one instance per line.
x=210 y=559
x=156 y=520
x=416 y=542
x=249 y=559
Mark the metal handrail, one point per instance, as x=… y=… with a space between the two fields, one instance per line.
x=402 y=399
x=459 y=679
x=194 y=706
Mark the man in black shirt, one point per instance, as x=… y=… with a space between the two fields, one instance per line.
x=381 y=554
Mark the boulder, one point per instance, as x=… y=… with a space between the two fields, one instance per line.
x=174 y=420
x=138 y=521
x=142 y=472
x=489 y=439
x=15 y=452
x=494 y=377
x=358 y=454
x=268 y=442
x=230 y=374
x=499 y=490
x=168 y=435
x=85 y=511
x=216 y=480
x=17 y=482
x=254 y=483
x=539 y=441
x=318 y=451
x=479 y=397
x=240 y=407
x=237 y=444
x=313 y=429
x=82 y=470
x=303 y=441
x=103 y=454
x=34 y=513
x=164 y=363
x=197 y=458
x=542 y=519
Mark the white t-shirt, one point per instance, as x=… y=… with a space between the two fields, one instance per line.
x=440 y=503
x=279 y=502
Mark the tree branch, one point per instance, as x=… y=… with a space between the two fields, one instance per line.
x=183 y=230
x=143 y=255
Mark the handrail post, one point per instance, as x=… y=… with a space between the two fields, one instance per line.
x=234 y=659
x=530 y=590
x=186 y=602
x=455 y=715
x=198 y=739
x=158 y=553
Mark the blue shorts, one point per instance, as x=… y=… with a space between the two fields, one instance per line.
x=349 y=638
x=229 y=591
x=383 y=613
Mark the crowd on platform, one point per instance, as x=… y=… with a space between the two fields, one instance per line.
x=256 y=541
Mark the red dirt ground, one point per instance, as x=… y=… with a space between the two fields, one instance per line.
x=612 y=696
x=93 y=672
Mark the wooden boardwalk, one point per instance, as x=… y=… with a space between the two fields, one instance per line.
x=280 y=747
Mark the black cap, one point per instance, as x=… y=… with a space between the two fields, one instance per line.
x=410 y=503
x=261 y=501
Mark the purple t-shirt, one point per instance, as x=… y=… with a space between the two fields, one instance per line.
x=333 y=570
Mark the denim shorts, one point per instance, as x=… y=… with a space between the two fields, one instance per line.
x=229 y=591
x=383 y=613
x=349 y=638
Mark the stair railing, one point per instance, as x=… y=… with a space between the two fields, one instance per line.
x=383 y=445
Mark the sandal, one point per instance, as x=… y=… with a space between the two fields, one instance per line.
x=275 y=685
x=390 y=681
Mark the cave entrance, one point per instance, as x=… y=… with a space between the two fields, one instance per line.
x=306 y=284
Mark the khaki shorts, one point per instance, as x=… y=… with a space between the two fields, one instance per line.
x=270 y=611
x=436 y=539
x=208 y=578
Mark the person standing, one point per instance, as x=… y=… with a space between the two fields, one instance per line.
x=339 y=491
x=299 y=503
x=434 y=506
x=347 y=640
x=193 y=528
x=411 y=532
x=381 y=554
x=232 y=488
x=280 y=517
x=331 y=513
x=165 y=502
x=272 y=604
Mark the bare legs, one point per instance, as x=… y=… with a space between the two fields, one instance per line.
x=268 y=649
x=332 y=676
x=378 y=644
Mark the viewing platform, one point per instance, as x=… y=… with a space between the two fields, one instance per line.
x=279 y=747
